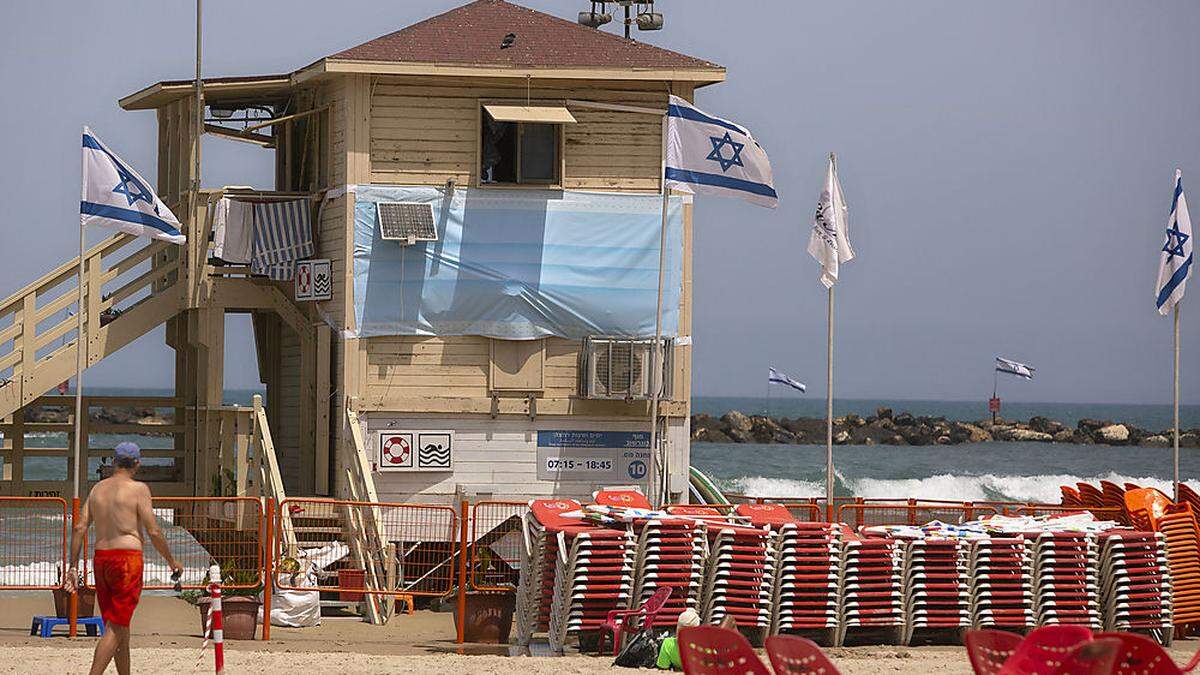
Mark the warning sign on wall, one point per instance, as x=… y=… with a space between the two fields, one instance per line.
x=416 y=450
x=314 y=280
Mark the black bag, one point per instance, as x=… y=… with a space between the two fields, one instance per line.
x=640 y=651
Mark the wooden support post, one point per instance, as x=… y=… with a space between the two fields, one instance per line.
x=17 y=453
x=321 y=435
x=28 y=340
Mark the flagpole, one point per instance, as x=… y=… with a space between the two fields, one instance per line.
x=80 y=352
x=829 y=414
x=1176 y=416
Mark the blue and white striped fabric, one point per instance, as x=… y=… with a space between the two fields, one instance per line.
x=1017 y=368
x=1175 y=260
x=780 y=378
x=712 y=155
x=282 y=236
x=115 y=196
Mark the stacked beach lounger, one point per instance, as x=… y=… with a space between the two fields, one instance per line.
x=937 y=600
x=572 y=574
x=1182 y=533
x=1135 y=582
x=1001 y=595
x=739 y=569
x=669 y=552
x=1064 y=578
x=870 y=574
x=806 y=596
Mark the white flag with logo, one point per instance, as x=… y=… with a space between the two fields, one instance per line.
x=715 y=156
x=1017 y=368
x=1175 y=259
x=115 y=196
x=829 y=243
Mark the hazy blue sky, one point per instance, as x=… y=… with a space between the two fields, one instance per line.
x=1008 y=167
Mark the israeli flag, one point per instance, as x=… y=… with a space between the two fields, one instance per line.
x=115 y=196
x=715 y=156
x=779 y=378
x=1175 y=260
x=1011 y=367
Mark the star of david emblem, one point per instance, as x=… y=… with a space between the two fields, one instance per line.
x=717 y=156
x=1180 y=238
x=132 y=188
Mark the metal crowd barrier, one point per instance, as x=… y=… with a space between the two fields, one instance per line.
x=859 y=515
x=34 y=536
x=368 y=548
x=230 y=531
x=495 y=545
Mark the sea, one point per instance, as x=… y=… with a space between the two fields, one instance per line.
x=974 y=471
x=1029 y=472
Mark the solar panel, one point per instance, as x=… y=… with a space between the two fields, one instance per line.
x=406 y=221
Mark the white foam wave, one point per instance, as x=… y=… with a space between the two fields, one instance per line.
x=763 y=486
x=984 y=487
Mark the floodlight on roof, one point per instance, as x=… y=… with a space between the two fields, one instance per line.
x=221 y=112
x=594 y=18
x=650 y=21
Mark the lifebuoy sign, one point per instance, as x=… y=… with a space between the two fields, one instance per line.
x=314 y=280
x=415 y=450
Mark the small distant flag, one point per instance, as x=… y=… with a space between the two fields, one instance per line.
x=115 y=196
x=1014 y=368
x=780 y=378
x=715 y=156
x=1175 y=260
x=829 y=243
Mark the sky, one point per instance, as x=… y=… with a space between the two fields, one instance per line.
x=1008 y=168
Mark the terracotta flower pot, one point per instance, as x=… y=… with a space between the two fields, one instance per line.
x=239 y=616
x=87 y=602
x=489 y=617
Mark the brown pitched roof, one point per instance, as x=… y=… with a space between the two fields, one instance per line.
x=472 y=34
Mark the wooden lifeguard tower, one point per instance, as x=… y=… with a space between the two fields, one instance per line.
x=486 y=100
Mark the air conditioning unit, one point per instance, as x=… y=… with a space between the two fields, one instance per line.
x=622 y=368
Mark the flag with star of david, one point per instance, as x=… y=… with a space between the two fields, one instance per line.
x=715 y=156
x=115 y=196
x=1175 y=259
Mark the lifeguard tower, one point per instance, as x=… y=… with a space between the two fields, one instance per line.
x=474 y=204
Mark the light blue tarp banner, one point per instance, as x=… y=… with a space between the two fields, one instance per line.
x=518 y=265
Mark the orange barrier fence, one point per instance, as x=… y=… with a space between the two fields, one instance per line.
x=495 y=545
x=34 y=536
x=229 y=531
x=367 y=548
x=859 y=515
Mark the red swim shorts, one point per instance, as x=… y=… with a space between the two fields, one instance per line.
x=118 y=583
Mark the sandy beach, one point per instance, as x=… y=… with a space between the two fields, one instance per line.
x=167 y=640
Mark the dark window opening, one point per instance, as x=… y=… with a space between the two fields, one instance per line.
x=519 y=152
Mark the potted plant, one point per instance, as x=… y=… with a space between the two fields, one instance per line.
x=239 y=606
x=87 y=599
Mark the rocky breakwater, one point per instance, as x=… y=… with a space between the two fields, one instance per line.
x=886 y=428
x=145 y=417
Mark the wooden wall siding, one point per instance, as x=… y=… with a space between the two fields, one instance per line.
x=285 y=425
x=423 y=133
x=407 y=367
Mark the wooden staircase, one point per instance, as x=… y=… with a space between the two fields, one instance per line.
x=130 y=286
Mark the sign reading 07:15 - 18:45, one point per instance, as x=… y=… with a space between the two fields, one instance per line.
x=593 y=456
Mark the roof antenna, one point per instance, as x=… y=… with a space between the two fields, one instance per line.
x=508 y=40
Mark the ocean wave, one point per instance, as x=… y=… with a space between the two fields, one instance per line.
x=984 y=487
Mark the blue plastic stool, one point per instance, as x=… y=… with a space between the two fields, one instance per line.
x=44 y=625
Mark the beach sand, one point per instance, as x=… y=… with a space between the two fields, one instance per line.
x=167 y=640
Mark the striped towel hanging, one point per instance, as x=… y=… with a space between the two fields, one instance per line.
x=282 y=235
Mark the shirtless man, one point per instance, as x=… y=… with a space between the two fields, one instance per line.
x=119 y=506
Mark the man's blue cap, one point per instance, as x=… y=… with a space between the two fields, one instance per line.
x=128 y=450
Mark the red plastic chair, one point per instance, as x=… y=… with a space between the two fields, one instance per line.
x=1095 y=657
x=1045 y=649
x=1143 y=656
x=631 y=620
x=792 y=655
x=711 y=650
x=989 y=649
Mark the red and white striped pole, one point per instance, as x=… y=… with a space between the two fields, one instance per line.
x=214 y=618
